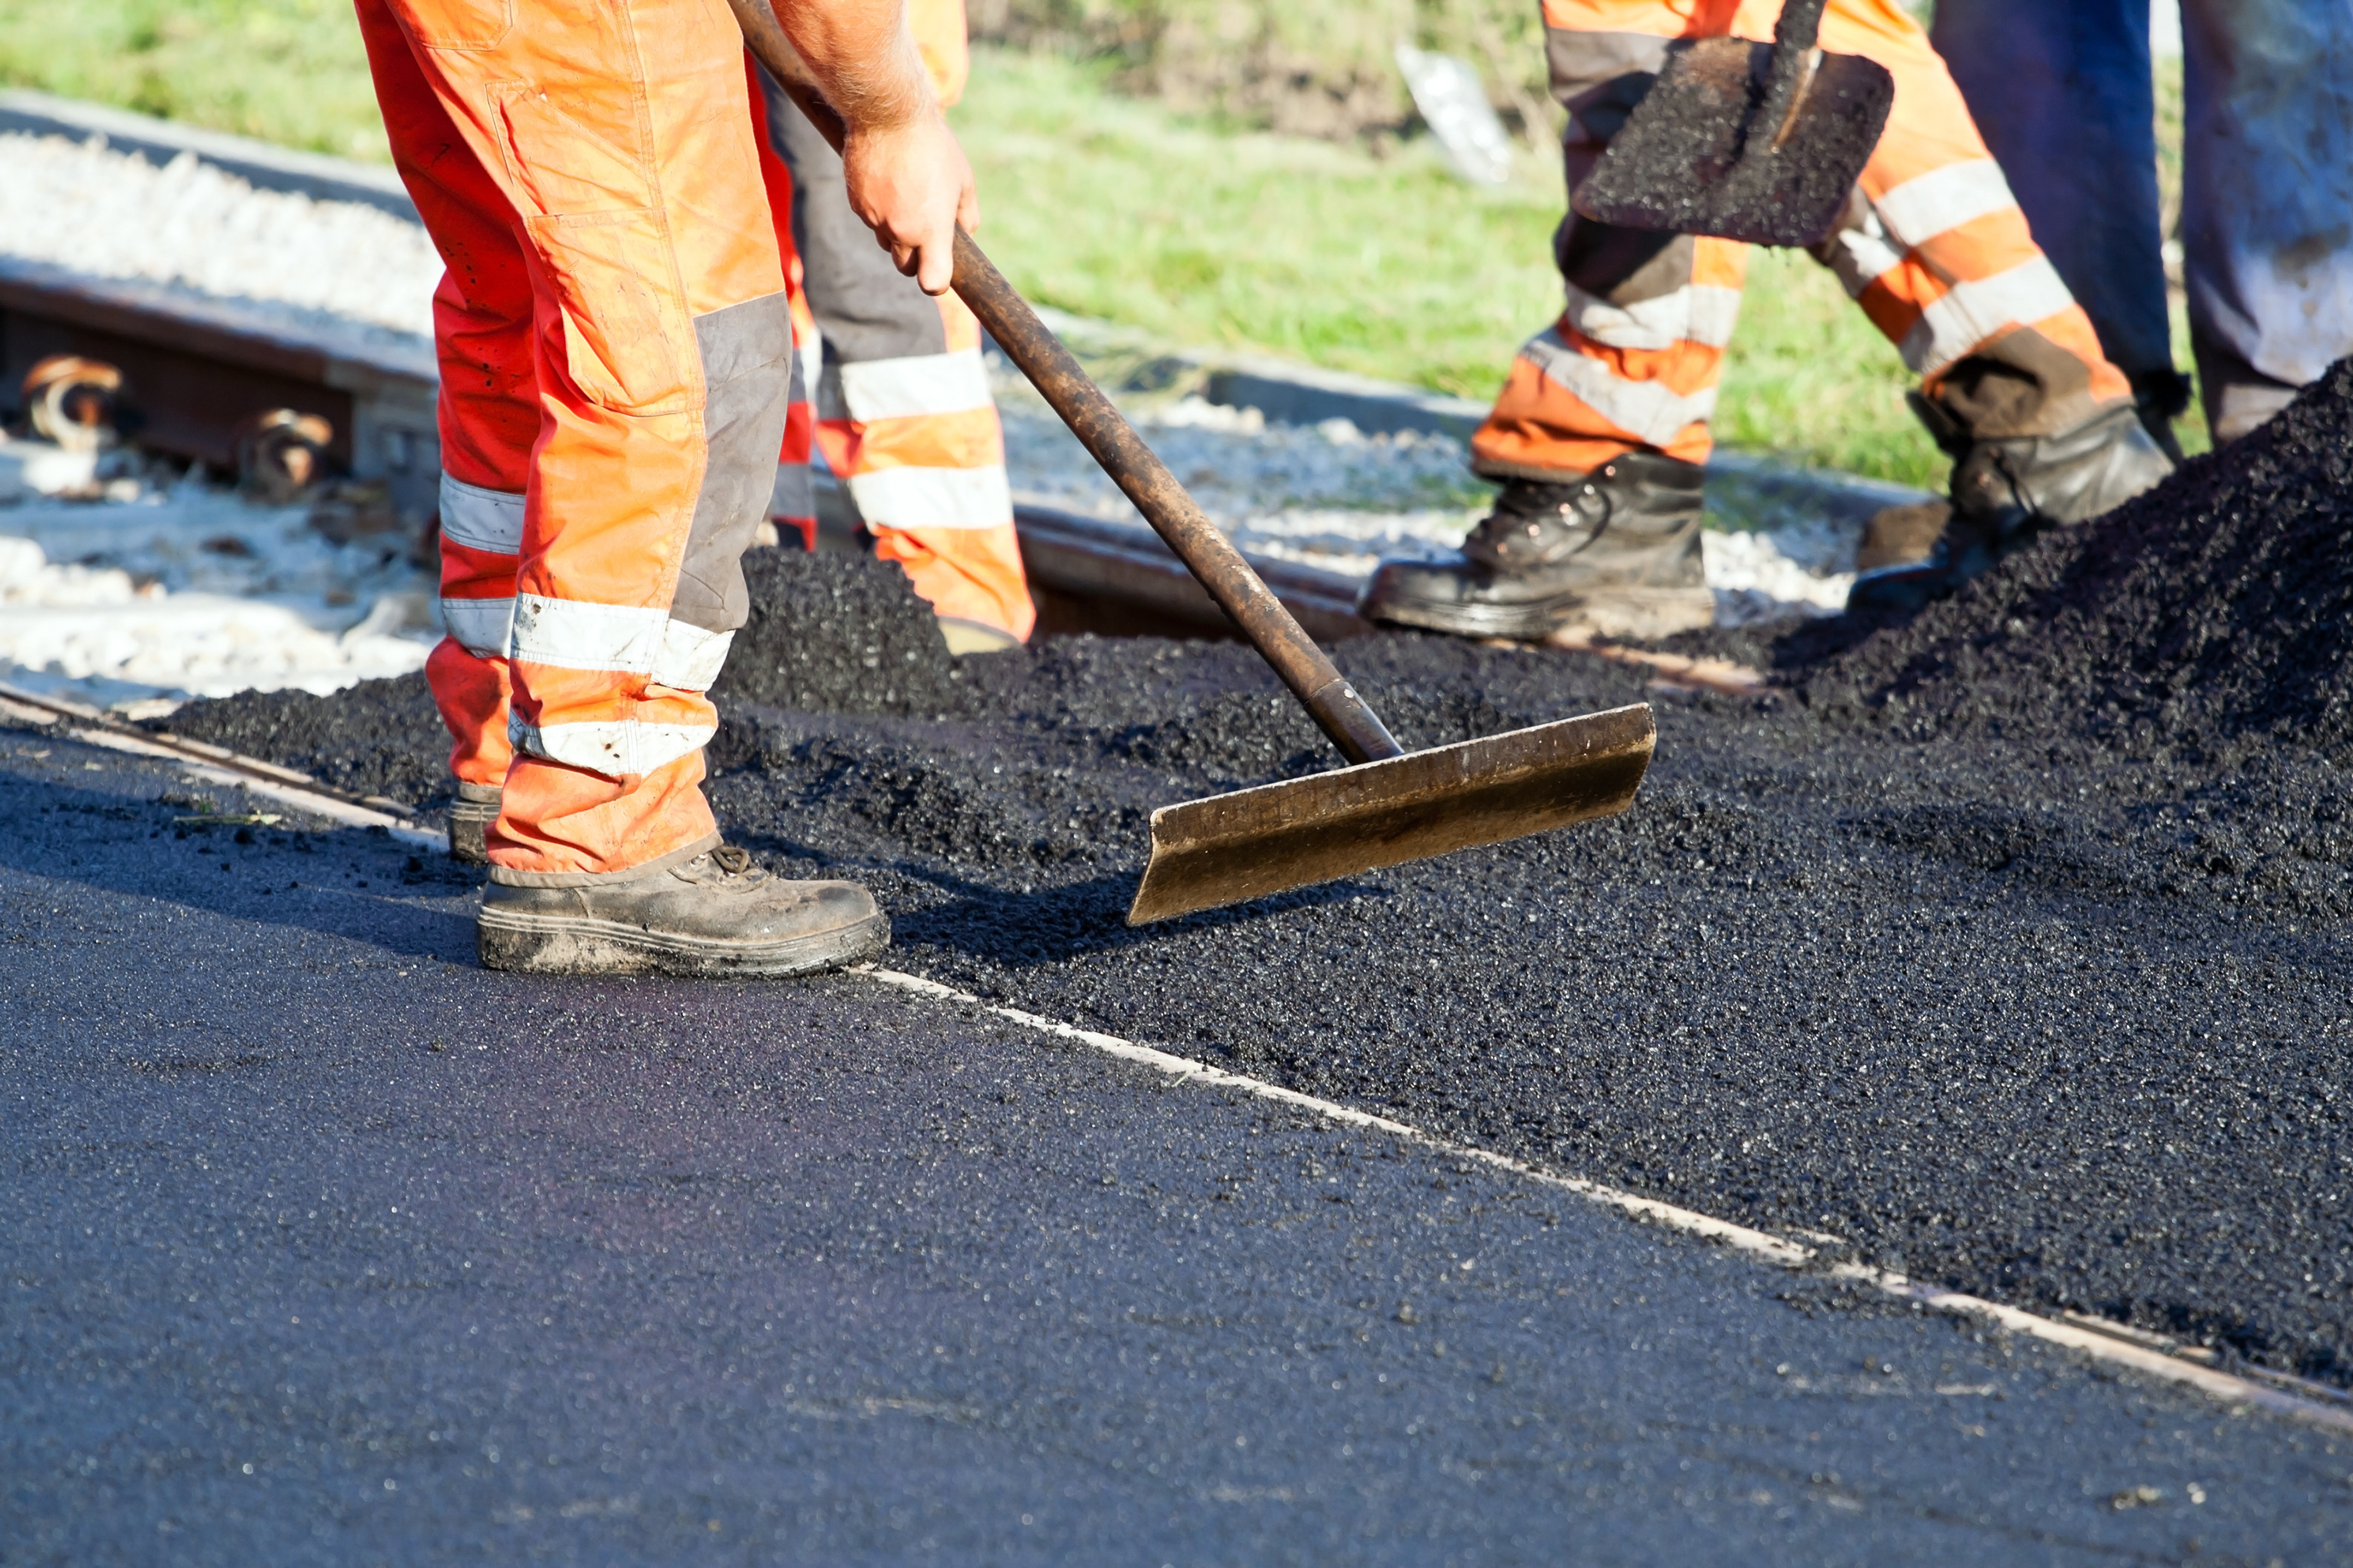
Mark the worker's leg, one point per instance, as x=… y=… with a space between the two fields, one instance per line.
x=1601 y=430
x=617 y=139
x=904 y=414
x=2061 y=89
x=661 y=337
x=488 y=420
x=2267 y=201
x=2043 y=428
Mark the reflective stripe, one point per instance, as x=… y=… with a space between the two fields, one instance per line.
x=617 y=749
x=478 y=626
x=690 y=657
x=1695 y=313
x=920 y=383
x=571 y=635
x=1863 y=254
x=1973 y=311
x=1928 y=205
x=485 y=520
x=934 y=498
x=1647 y=410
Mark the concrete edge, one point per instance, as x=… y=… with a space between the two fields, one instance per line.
x=317 y=175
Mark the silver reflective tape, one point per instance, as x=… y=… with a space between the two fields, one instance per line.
x=934 y=498
x=918 y=384
x=481 y=519
x=1972 y=312
x=1646 y=410
x=618 y=748
x=480 y=626
x=573 y=634
x=691 y=657
x=1928 y=205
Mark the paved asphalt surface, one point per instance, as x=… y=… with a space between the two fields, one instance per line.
x=318 y=1244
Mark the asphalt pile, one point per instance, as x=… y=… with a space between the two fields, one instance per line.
x=2013 y=958
x=2211 y=615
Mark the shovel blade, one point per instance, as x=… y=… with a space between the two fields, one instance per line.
x=1693 y=157
x=1231 y=848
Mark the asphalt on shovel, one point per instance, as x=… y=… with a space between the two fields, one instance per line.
x=1393 y=804
x=1760 y=143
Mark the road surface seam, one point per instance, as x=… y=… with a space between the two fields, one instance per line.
x=1760 y=1244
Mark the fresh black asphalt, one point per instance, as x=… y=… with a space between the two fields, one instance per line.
x=318 y=1244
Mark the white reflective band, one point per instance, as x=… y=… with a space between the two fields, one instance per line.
x=918 y=384
x=480 y=518
x=1645 y=410
x=690 y=657
x=811 y=355
x=1974 y=311
x=478 y=626
x=1700 y=313
x=618 y=748
x=1863 y=254
x=575 y=636
x=1923 y=207
x=934 y=498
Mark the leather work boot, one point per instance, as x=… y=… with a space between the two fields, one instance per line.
x=2003 y=493
x=470 y=815
x=1615 y=552
x=711 y=913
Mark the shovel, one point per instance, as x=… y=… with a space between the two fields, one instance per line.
x=1391 y=805
x=1759 y=142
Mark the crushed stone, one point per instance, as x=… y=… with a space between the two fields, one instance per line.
x=343 y=267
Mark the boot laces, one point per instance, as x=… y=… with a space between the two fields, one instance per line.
x=1506 y=535
x=731 y=859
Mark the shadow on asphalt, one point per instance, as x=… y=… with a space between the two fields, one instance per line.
x=1053 y=925
x=356 y=883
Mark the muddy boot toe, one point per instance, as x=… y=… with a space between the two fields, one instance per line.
x=712 y=913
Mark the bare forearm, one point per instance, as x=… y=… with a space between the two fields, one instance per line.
x=861 y=53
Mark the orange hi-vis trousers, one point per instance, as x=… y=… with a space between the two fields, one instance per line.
x=614 y=344
x=1933 y=247
x=904 y=414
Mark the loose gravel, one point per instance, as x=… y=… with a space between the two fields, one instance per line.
x=344 y=268
x=1993 y=997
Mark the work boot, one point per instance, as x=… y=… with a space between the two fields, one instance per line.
x=1614 y=551
x=2003 y=493
x=713 y=912
x=470 y=815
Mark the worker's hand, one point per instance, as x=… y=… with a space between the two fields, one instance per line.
x=913 y=185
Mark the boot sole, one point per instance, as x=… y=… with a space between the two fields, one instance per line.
x=1640 y=614
x=576 y=944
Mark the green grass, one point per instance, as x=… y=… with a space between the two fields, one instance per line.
x=1370 y=259
x=290 y=71
x=1386 y=266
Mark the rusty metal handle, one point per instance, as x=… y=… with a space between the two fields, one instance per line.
x=1206 y=552
x=1107 y=436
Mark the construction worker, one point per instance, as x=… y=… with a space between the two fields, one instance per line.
x=1601 y=433
x=904 y=412
x=614 y=344
x=2062 y=88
